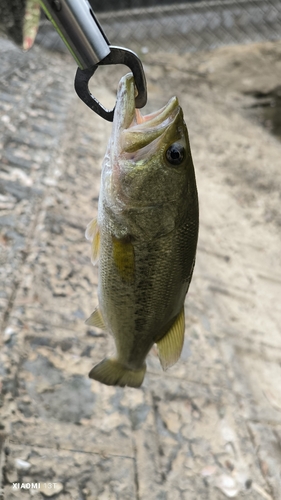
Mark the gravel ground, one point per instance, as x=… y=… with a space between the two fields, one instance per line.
x=210 y=427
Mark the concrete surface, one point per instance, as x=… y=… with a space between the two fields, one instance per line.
x=210 y=427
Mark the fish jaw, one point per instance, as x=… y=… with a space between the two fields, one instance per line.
x=143 y=130
x=131 y=130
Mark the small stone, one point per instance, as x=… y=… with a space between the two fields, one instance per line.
x=248 y=483
x=51 y=489
x=173 y=422
x=22 y=464
x=5 y=119
x=8 y=332
x=12 y=476
x=209 y=470
x=48 y=181
x=227 y=485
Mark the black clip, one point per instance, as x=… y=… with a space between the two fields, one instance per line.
x=117 y=55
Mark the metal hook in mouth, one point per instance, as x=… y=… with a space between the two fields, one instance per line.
x=117 y=55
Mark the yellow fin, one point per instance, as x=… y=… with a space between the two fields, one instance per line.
x=124 y=258
x=111 y=372
x=96 y=319
x=91 y=229
x=170 y=346
x=92 y=234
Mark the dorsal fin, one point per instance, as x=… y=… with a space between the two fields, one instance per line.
x=170 y=346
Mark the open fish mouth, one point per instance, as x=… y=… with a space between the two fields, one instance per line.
x=136 y=130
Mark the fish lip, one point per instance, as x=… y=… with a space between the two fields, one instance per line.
x=145 y=138
x=125 y=103
x=135 y=131
x=131 y=117
x=159 y=119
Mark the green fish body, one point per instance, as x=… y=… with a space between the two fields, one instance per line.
x=144 y=238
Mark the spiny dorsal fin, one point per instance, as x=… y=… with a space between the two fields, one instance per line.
x=124 y=258
x=170 y=346
x=96 y=319
x=112 y=372
x=92 y=234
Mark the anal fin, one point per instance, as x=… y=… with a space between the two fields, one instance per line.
x=170 y=346
x=112 y=372
x=96 y=319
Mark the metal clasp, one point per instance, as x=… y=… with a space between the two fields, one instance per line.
x=117 y=55
x=80 y=30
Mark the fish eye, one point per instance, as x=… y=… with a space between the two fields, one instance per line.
x=175 y=154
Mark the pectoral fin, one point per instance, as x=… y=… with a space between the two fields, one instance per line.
x=111 y=372
x=170 y=346
x=96 y=319
x=92 y=234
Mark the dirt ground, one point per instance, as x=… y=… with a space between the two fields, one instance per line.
x=210 y=427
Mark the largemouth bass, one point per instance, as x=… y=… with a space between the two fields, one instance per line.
x=144 y=237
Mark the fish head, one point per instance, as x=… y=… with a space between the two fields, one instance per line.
x=149 y=163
